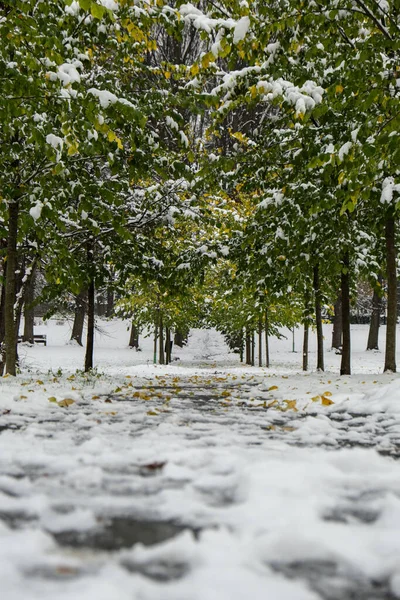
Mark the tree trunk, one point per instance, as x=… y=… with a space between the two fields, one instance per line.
x=179 y=338
x=90 y=328
x=134 y=337
x=260 y=342
x=391 y=276
x=10 y=337
x=373 y=334
x=161 y=341
x=241 y=347
x=253 y=347
x=248 y=348
x=155 y=343
x=345 y=367
x=318 y=319
x=305 y=346
x=167 y=345
x=79 y=317
x=337 y=331
x=29 y=312
x=110 y=303
x=2 y=324
x=266 y=339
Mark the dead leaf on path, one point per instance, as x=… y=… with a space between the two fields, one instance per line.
x=152 y=413
x=272 y=388
x=52 y=399
x=327 y=394
x=326 y=401
x=39 y=382
x=155 y=466
x=273 y=403
x=270 y=428
x=290 y=405
x=95 y=397
x=316 y=398
x=108 y=401
x=8 y=410
x=66 y=570
x=66 y=402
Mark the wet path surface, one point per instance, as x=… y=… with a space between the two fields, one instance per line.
x=198 y=459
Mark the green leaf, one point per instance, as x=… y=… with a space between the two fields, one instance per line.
x=97 y=11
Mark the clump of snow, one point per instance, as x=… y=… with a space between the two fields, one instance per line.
x=241 y=29
x=73 y=8
x=57 y=143
x=388 y=189
x=104 y=96
x=36 y=211
x=344 y=150
x=171 y=123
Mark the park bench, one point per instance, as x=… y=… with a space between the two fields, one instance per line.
x=37 y=338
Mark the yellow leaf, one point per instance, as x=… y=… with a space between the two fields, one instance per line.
x=167 y=74
x=152 y=413
x=23 y=397
x=327 y=394
x=339 y=89
x=39 y=382
x=273 y=387
x=194 y=69
x=316 y=398
x=52 y=399
x=341 y=177
x=290 y=405
x=95 y=397
x=73 y=149
x=66 y=402
x=326 y=401
x=273 y=403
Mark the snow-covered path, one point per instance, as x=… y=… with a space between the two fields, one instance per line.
x=211 y=483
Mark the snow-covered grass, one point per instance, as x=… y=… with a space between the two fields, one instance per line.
x=279 y=484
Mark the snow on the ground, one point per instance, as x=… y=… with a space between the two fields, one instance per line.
x=201 y=480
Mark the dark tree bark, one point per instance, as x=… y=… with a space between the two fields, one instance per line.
x=90 y=327
x=110 y=303
x=241 y=346
x=318 y=319
x=345 y=367
x=29 y=311
x=373 y=334
x=10 y=337
x=266 y=339
x=305 y=346
x=260 y=342
x=180 y=338
x=161 y=359
x=253 y=346
x=248 y=347
x=337 y=332
x=155 y=343
x=391 y=276
x=167 y=345
x=79 y=317
x=134 y=337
